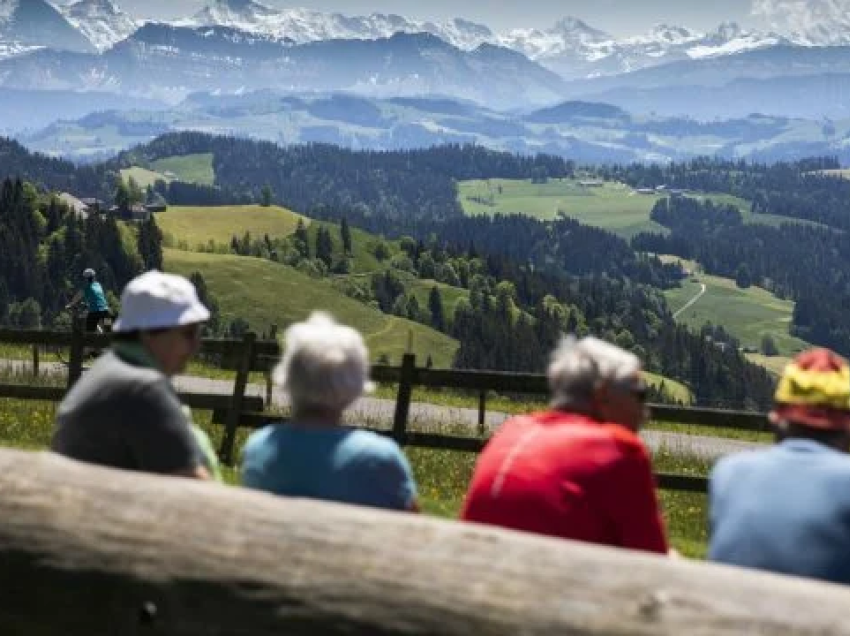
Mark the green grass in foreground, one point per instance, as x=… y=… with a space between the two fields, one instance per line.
x=188 y=168
x=265 y=293
x=442 y=476
x=747 y=314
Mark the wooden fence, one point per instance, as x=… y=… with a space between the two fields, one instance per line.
x=87 y=551
x=242 y=355
x=249 y=354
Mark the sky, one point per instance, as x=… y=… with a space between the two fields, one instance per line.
x=619 y=17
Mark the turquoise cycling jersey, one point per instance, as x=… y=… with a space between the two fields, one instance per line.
x=95 y=298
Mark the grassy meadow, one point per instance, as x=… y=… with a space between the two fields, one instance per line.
x=143 y=176
x=442 y=476
x=188 y=168
x=265 y=293
x=615 y=207
x=199 y=225
x=747 y=314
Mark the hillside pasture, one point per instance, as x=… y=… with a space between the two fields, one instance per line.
x=674 y=388
x=747 y=314
x=143 y=176
x=612 y=206
x=264 y=293
x=200 y=225
x=188 y=168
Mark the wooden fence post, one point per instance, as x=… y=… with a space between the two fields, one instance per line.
x=75 y=358
x=482 y=405
x=269 y=386
x=35 y=360
x=226 y=451
x=402 y=403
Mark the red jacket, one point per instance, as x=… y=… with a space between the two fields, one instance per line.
x=566 y=475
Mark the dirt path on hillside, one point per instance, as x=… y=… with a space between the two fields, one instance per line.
x=691 y=302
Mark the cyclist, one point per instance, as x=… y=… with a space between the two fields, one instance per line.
x=98 y=307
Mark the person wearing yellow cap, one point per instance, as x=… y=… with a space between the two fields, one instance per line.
x=787 y=508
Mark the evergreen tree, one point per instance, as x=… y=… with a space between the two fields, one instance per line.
x=209 y=301
x=324 y=246
x=150 y=244
x=121 y=197
x=381 y=251
x=302 y=239
x=345 y=232
x=435 y=306
x=134 y=192
x=743 y=277
x=266 y=196
x=768 y=346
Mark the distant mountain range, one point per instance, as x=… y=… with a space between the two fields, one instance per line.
x=233 y=47
x=571 y=47
x=583 y=131
x=167 y=62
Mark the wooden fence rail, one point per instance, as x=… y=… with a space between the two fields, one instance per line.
x=249 y=354
x=86 y=550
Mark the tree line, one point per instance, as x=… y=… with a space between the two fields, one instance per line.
x=805 y=263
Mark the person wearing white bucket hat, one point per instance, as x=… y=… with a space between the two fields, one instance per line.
x=124 y=412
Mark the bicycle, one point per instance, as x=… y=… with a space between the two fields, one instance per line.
x=102 y=326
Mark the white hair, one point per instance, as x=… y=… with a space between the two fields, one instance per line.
x=325 y=364
x=578 y=367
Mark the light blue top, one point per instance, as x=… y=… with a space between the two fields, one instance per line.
x=95 y=298
x=333 y=463
x=785 y=509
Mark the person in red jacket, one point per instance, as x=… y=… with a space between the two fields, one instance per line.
x=577 y=471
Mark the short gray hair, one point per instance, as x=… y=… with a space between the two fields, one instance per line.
x=578 y=367
x=324 y=366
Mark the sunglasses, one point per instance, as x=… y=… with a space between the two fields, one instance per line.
x=189 y=332
x=640 y=391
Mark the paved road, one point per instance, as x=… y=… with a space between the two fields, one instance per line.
x=379 y=412
x=690 y=303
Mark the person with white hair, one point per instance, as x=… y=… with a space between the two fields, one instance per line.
x=324 y=369
x=124 y=412
x=578 y=470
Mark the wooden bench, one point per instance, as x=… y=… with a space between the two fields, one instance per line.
x=87 y=550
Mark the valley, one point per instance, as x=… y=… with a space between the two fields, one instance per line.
x=671 y=178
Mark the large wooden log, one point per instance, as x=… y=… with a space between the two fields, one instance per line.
x=86 y=551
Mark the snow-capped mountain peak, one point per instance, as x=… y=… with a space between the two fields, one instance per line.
x=729 y=38
x=727 y=31
x=103 y=23
x=234 y=13
x=665 y=34
x=27 y=24
x=579 y=28
x=304 y=25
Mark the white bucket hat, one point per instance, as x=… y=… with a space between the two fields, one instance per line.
x=156 y=300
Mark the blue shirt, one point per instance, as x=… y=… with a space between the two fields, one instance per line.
x=784 y=509
x=333 y=463
x=95 y=298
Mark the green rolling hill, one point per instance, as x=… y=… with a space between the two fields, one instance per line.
x=265 y=293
